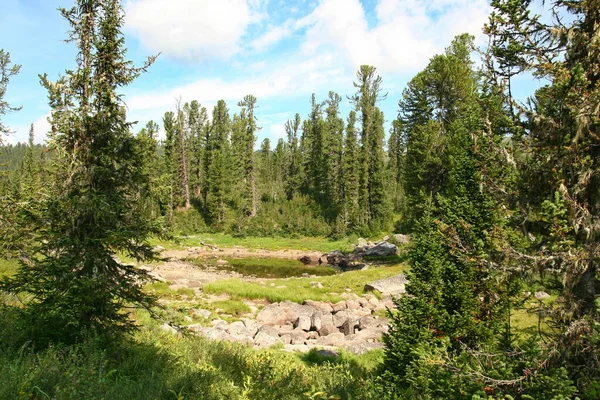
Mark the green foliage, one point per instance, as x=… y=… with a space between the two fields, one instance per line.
x=77 y=286
x=7 y=71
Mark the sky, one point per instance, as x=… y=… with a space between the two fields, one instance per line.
x=279 y=51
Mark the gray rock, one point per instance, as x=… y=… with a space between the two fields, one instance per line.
x=400 y=239
x=349 y=326
x=298 y=336
x=317 y=285
x=251 y=326
x=316 y=321
x=383 y=249
x=328 y=329
x=168 y=328
x=303 y=322
x=352 y=304
x=319 y=305
x=366 y=322
x=334 y=257
x=328 y=353
x=340 y=317
x=237 y=328
x=222 y=262
x=333 y=339
x=312 y=335
x=339 y=306
x=268 y=330
x=283 y=313
x=373 y=333
x=362 y=348
x=393 y=285
x=263 y=339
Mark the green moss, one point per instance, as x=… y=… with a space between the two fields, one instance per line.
x=268 y=267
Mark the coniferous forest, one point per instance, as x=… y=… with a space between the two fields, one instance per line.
x=500 y=197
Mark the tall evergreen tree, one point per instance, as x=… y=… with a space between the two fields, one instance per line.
x=351 y=173
x=217 y=160
x=6 y=72
x=76 y=283
x=294 y=168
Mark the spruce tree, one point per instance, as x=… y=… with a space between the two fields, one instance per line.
x=351 y=173
x=6 y=72
x=78 y=287
x=294 y=168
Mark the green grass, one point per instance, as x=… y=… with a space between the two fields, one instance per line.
x=269 y=243
x=300 y=289
x=162 y=290
x=8 y=267
x=267 y=267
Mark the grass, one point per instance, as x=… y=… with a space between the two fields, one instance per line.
x=300 y=289
x=162 y=290
x=268 y=243
x=267 y=267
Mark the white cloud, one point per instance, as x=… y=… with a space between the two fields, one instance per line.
x=191 y=29
x=294 y=77
x=274 y=34
x=41 y=128
x=406 y=35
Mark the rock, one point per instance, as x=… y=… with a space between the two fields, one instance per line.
x=364 y=302
x=393 y=285
x=251 y=326
x=312 y=335
x=286 y=339
x=339 y=306
x=362 y=348
x=216 y=334
x=283 y=313
x=302 y=348
x=168 y=328
x=541 y=295
x=158 y=249
x=298 y=336
x=315 y=321
x=284 y=329
x=366 y=322
x=268 y=330
x=352 y=304
x=219 y=323
x=328 y=353
x=306 y=260
x=334 y=257
x=317 y=285
x=328 y=329
x=333 y=339
x=383 y=249
x=263 y=339
x=194 y=327
x=373 y=333
x=400 y=239
x=199 y=313
x=319 y=305
x=348 y=326
x=340 y=317
x=280 y=287
x=237 y=328
x=303 y=322
x=222 y=262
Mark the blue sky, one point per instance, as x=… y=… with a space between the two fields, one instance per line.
x=280 y=51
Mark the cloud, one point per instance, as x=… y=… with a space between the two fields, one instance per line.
x=406 y=35
x=289 y=78
x=273 y=35
x=41 y=128
x=193 y=30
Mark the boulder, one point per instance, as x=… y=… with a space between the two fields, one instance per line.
x=400 y=239
x=541 y=295
x=339 y=306
x=328 y=353
x=328 y=329
x=352 y=304
x=317 y=285
x=340 y=317
x=319 y=305
x=334 y=257
x=349 y=326
x=222 y=262
x=362 y=347
x=334 y=339
x=168 y=328
x=366 y=322
x=393 y=285
x=303 y=322
x=383 y=249
x=316 y=321
x=298 y=336
x=237 y=328
x=283 y=313
x=263 y=339
x=306 y=260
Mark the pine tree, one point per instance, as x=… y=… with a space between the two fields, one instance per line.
x=196 y=119
x=181 y=148
x=332 y=157
x=294 y=168
x=217 y=160
x=396 y=164
x=372 y=198
x=560 y=163
x=245 y=154
x=6 y=72
x=351 y=173
x=77 y=285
